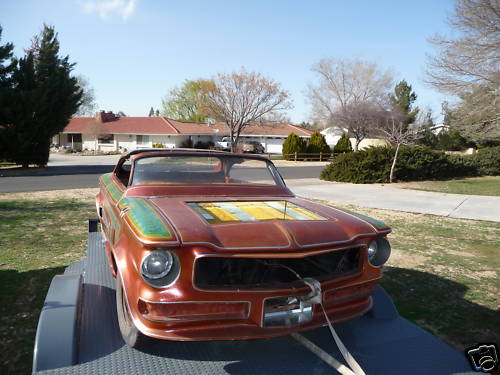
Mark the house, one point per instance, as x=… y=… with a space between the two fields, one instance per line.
x=109 y=132
x=333 y=134
x=439 y=128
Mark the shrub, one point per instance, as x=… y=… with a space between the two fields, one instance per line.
x=416 y=163
x=158 y=145
x=293 y=144
x=318 y=144
x=363 y=167
x=487 y=161
x=451 y=140
x=422 y=163
x=343 y=145
x=204 y=145
x=188 y=143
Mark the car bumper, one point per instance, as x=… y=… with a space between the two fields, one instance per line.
x=235 y=320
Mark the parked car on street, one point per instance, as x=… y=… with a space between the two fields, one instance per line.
x=253 y=147
x=210 y=245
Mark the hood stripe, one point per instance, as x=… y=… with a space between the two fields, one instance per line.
x=221 y=212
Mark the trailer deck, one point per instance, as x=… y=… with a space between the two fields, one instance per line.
x=78 y=334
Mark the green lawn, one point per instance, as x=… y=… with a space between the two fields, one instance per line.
x=443 y=274
x=470 y=186
x=38 y=239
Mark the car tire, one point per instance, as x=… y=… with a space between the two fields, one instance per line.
x=131 y=335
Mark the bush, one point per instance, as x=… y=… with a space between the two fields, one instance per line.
x=416 y=163
x=204 y=145
x=318 y=144
x=293 y=144
x=487 y=161
x=343 y=145
x=188 y=143
x=451 y=140
x=367 y=166
x=158 y=145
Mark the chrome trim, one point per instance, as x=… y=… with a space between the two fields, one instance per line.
x=175 y=260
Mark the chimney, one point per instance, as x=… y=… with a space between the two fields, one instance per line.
x=103 y=116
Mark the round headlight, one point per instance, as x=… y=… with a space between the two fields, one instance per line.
x=379 y=251
x=157 y=265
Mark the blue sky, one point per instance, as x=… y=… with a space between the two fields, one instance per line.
x=133 y=52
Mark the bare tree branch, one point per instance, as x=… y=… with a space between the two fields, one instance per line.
x=242 y=98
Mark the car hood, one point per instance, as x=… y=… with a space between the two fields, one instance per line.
x=249 y=224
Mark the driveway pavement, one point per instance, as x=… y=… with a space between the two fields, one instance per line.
x=383 y=196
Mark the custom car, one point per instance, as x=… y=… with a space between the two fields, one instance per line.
x=211 y=245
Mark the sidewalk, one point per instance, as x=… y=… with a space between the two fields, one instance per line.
x=474 y=207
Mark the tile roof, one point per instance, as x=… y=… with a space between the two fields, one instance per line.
x=127 y=125
x=161 y=125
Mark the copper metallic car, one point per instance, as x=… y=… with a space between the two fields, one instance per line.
x=209 y=245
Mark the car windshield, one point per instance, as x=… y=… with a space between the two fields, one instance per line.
x=203 y=169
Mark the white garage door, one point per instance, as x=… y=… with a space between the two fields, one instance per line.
x=274 y=146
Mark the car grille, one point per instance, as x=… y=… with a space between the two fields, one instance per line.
x=276 y=273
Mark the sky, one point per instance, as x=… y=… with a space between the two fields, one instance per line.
x=134 y=51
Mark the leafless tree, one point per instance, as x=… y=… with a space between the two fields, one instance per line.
x=360 y=118
x=468 y=66
x=477 y=116
x=343 y=82
x=94 y=128
x=392 y=126
x=474 y=56
x=88 y=104
x=241 y=98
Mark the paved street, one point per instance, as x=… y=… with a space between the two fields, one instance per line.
x=75 y=172
x=71 y=172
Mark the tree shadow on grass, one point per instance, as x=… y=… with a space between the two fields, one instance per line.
x=438 y=305
x=21 y=299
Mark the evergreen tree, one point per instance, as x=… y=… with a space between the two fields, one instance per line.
x=317 y=144
x=45 y=96
x=7 y=65
x=293 y=144
x=157 y=113
x=151 y=112
x=343 y=145
x=403 y=99
x=425 y=135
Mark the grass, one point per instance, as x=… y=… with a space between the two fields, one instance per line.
x=443 y=274
x=470 y=186
x=38 y=238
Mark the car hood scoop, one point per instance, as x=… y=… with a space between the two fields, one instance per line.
x=250 y=225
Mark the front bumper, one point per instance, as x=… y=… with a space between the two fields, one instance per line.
x=234 y=320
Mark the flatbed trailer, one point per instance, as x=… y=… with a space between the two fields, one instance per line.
x=78 y=334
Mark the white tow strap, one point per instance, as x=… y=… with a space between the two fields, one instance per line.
x=355 y=368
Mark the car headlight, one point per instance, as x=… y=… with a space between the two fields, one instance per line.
x=379 y=251
x=160 y=268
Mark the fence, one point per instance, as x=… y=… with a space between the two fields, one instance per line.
x=322 y=156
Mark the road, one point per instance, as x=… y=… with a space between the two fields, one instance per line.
x=67 y=172
x=72 y=172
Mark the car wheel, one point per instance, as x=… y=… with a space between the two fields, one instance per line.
x=131 y=335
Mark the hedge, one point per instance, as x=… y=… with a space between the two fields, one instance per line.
x=372 y=165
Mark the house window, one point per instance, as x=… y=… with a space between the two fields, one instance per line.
x=142 y=140
x=105 y=139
